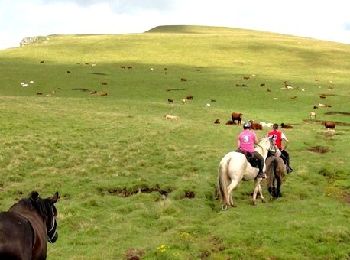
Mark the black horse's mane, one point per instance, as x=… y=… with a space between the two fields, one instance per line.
x=42 y=206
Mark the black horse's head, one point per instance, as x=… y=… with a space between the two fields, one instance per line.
x=46 y=208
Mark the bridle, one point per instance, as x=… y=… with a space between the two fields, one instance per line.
x=52 y=231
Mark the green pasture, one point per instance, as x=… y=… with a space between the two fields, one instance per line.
x=134 y=184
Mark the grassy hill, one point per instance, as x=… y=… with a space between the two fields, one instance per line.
x=91 y=125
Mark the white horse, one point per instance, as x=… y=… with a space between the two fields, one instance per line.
x=234 y=167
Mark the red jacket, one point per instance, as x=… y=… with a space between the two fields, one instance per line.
x=277 y=137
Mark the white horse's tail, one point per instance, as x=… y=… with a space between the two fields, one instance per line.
x=223 y=181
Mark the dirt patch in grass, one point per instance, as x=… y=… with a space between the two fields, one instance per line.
x=216 y=244
x=322 y=122
x=337 y=113
x=99 y=73
x=174 y=89
x=190 y=194
x=134 y=254
x=346 y=197
x=319 y=149
x=127 y=192
x=327 y=94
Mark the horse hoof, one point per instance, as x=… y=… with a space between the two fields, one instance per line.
x=263 y=200
x=224 y=207
x=254 y=203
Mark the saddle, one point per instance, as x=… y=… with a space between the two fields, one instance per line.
x=254 y=162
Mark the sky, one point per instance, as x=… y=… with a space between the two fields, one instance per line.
x=320 y=19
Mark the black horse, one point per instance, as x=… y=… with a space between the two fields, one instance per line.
x=27 y=226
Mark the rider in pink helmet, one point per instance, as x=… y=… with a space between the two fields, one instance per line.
x=245 y=142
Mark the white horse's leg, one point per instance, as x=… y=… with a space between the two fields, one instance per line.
x=256 y=189
x=230 y=188
x=260 y=191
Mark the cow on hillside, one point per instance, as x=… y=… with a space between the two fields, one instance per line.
x=329 y=125
x=237 y=116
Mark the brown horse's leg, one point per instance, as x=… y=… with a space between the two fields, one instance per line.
x=278 y=189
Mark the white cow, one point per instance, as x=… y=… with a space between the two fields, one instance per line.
x=171 y=117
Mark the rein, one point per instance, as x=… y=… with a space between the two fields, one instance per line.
x=53 y=229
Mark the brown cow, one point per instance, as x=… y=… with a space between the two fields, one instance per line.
x=329 y=125
x=217 y=121
x=237 y=116
x=283 y=125
x=256 y=126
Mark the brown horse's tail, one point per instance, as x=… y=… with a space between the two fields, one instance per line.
x=223 y=180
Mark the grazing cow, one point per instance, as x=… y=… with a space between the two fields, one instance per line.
x=229 y=122
x=68 y=71
x=170 y=100
x=322 y=96
x=184 y=101
x=312 y=115
x=183 y=79
x=246 y=77
x=213 y=100
x=268 y=90
x=42 y=61
x=315 y=107
x=189 y=97
x=283 y=125
x=217 y=121
x=329 y=125
x=171 y=117
x=262 y=85
x=237 y=116
x=323 y=105
x=103 y=94
x=129 y=67
x=255 y=126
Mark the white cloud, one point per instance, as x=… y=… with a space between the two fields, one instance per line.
x=323 y=19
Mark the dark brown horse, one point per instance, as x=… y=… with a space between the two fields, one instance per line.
x=27 y=226
x=275 y=171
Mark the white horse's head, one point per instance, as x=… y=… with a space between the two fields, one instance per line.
x=266 y=144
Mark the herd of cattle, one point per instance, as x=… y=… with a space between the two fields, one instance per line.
x=236 y=117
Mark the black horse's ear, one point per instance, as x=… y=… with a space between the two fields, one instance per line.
x=55 y=197
x=34 y=195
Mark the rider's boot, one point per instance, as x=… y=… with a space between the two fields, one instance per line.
x=261 y=174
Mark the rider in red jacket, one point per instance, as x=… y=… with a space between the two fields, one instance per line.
x=278 y=136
